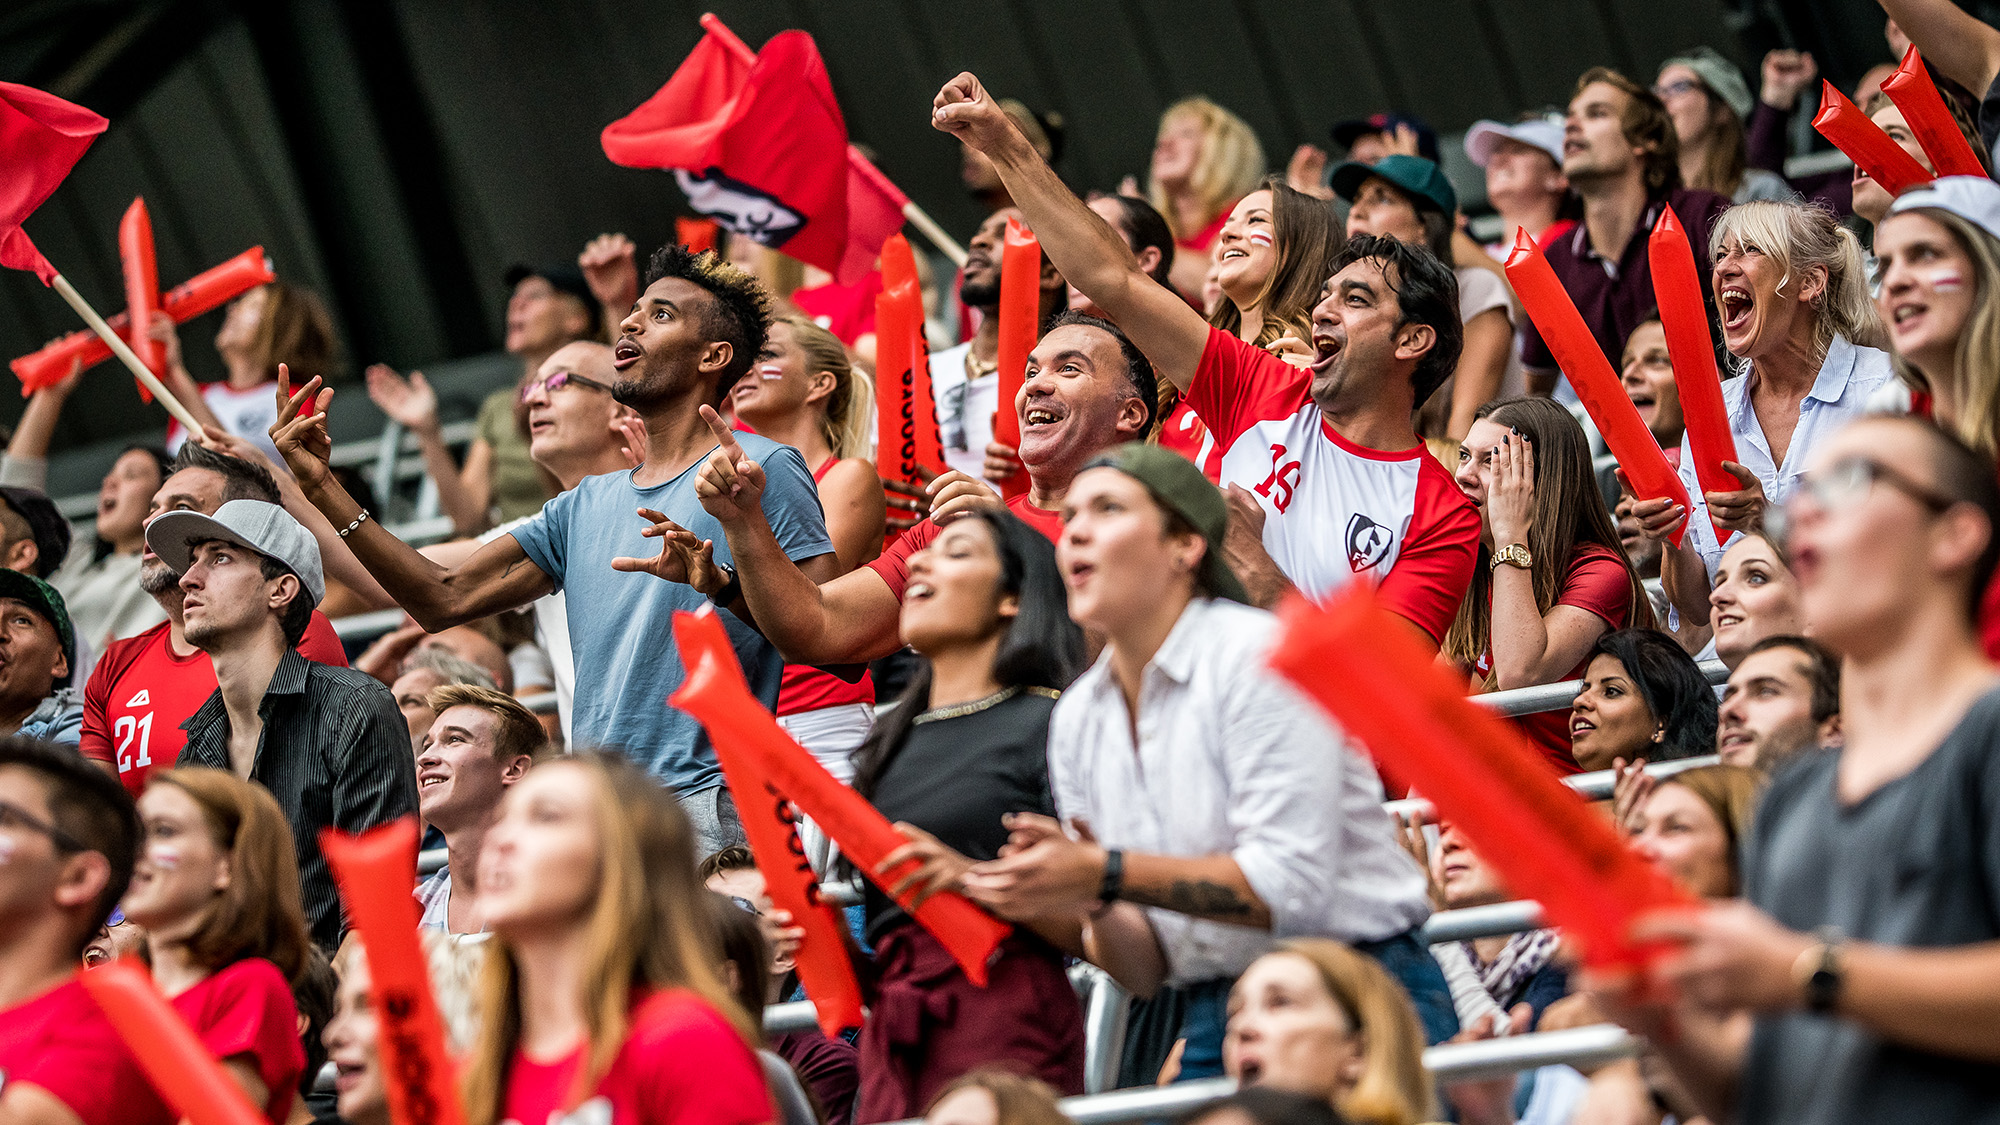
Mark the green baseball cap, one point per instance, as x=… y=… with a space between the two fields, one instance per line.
x=1417 y=177
x=1179 y=487
x=43 y=599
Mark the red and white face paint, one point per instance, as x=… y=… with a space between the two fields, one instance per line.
x=1928 y=287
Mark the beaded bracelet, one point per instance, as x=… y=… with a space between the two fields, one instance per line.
x=358 y=521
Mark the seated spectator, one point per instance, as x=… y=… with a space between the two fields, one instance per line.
x=1795 y=310
x=1783 y=699
x=1647 y=371
x=965 y=746
x=1408 y=199
x=1506 y=969
x=1319 y=1019
x=1755 y=596
x=1622 y=157
x=1524 y=178
x=482 y=743
x=327 y=742
x=217 y=889
x=1693 y=825
x=1554 y=578
x=1709 y=101
x=745 y=965
x=69 y=835
x=352 y=1041
x=145 y=687
x=1205 y=159
x=37 y=649
x=592 y=863
x=995 y=1097
x=269 y=324
x=1643 y=699
x=425 y=671
x=1282 y=834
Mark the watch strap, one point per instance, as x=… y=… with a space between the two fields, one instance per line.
x=1114 y=876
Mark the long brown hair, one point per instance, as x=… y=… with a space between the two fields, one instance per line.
x=296 y=331
x=1393 y=1088
x=261 y=912
x=1569 y=513
x=650 y=928
x=1305 y=237
x=1017 y=1098
x=1722 y=169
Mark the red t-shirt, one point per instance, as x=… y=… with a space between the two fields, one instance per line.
x=1200 y=240
x=894 y=565
x=806 y=688
x=247 y=1009
x=847 y=311
x=1182 y=432
x=1596 y=581
x=681 y=1064
x=1335 y=512
x=140 y=693
x=61 y=1042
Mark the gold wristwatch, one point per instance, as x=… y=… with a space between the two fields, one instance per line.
x=1514 y=554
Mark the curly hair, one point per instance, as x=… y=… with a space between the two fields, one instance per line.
x=740 y=315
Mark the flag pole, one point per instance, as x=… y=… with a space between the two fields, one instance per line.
x=124 y=352
x=917 y=216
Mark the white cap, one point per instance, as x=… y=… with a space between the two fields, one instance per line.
x=264 y=528
x=1545 y=133
x=1975 y=199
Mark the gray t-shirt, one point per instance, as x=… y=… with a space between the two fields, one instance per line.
x=621 y=624
x=1915 y=864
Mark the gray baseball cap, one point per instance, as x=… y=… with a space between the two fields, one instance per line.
x=264 y=528
x=1720 y=76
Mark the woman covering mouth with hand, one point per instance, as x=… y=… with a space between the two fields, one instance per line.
x=1795 y=311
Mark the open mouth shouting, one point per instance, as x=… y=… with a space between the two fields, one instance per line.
x=1737 y=306
x=626 y=353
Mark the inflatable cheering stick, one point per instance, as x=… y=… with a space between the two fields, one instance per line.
x=1864 y=142
x=715 y=694
x=174 y=1060
x=1924 y=110
x=1020 y=327
x=1576 y=352
x=1482 y=775
x=907 y=443
x=1684 y=317
x=375 y=871
x=142 y=289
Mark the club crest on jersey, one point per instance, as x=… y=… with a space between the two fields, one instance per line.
x=755 y=214
x=1368 y=543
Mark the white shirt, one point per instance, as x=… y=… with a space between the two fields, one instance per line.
x=1848 y=378
x=552 y=634
x=248 y=414
x=964 y=410
x=1231 y=760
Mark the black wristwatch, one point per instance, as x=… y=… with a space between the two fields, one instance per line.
x=1818 y=971
x=732 y=587
x=1114 y=876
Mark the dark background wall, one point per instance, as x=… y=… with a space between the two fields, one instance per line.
x=398 y=155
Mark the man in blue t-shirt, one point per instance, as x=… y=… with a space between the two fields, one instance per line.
x=696 y=330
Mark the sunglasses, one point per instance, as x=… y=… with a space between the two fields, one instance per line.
x=558 y=381
x=14 y=818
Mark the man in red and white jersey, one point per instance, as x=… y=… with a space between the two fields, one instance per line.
x=144 y=687
x=1322 y=460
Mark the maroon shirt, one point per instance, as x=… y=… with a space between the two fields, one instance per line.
x=1616 y=297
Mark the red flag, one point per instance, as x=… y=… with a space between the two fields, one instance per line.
x=41 y=139
x=759 y=146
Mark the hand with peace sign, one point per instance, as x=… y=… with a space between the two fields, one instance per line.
x=300 y=432
x=730 y=485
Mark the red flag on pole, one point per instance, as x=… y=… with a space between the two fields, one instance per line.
x=41 y=139
x=758 y=145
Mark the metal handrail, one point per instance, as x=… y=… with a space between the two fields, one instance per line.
x=1556 y=696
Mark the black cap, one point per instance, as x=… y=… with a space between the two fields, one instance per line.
x=50 y=528
x=1345 y=133
x=566 y=278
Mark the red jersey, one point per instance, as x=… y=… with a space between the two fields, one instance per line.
x=61 y=1042
x=1182 y=432
x=1597 y=581
x=140 y=693
x=1200 y=240
x=894 y=565
x=1335 y=512
x=681 y=1064
x=847 y=311
x=806 y=688
x=247 y=1009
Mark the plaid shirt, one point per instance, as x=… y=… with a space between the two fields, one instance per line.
x=335 y=752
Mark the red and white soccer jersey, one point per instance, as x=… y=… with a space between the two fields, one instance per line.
x=1335 y=512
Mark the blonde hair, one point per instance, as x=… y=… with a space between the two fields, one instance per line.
x=1800 y=237
x=1229 y=167
x=1017 y=1098
x=1975 y=387
x=649 y=927
x=1394 y=1088
x=849 y=424
x=261 y=913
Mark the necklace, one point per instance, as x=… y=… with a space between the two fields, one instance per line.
x=960 y=710
x=975 y=369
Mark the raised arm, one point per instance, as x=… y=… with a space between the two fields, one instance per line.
x=498 y=576
x=1963 y=48
x=411 y=404
x=1092 y=256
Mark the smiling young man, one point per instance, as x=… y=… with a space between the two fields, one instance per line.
x=481 y=743
x=1322 y=461
x=697 y=327
x=1782 y=699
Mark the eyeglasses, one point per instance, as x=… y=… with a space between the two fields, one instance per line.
x=1676 y=88
x=1842 y=485
x=558 y=381
x=15 y=818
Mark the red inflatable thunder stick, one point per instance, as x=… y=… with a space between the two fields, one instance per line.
x=773 y=831
x=742 y=729
x=1850 y=130
x=1361 y=664
x=1677 y=292
x=175 y=1062
x=1576 y=352
x=199 y=294
x=142 y=289
x=908 y=446
x=1020 y=325
x=376 y=870
x=1923 y=109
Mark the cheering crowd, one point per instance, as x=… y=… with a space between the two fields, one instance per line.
x=1245 y=389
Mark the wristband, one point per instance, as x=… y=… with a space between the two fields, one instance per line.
x=1114 y=876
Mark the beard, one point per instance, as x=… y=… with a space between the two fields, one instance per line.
x=157 y=578
x=981 y=295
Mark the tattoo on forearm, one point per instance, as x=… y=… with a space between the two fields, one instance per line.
x=1192 y=896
